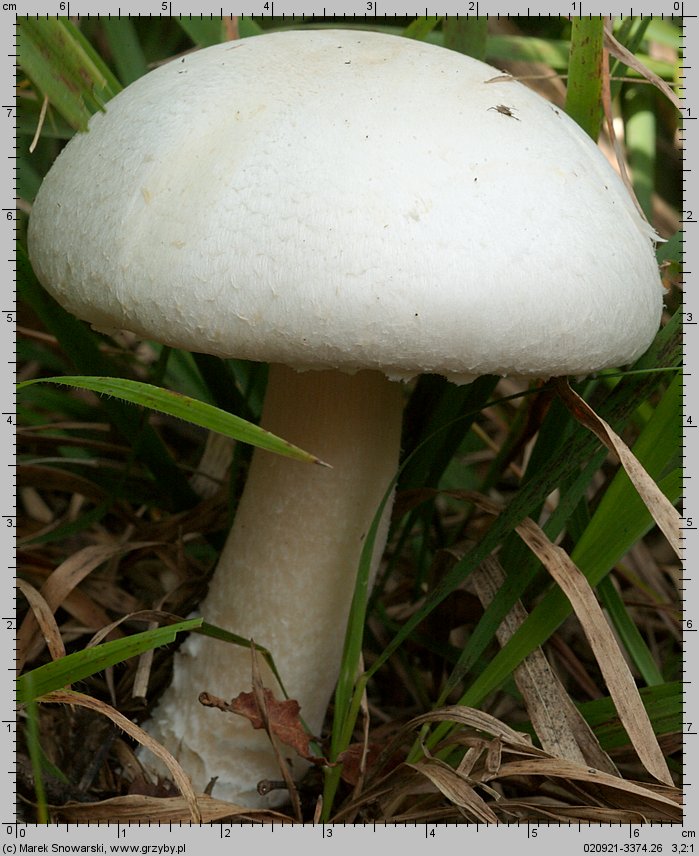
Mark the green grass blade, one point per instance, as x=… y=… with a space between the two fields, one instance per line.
x=630 y=33
x=467 y=35
x=222 y=635
x=354 y=636
x=666 y=350
x=82 y=664
x=664 y=706
x=556 y=53
x=82 y=345
x=671 y=251
x=621 y=517
x=584 y=94
x=634 y=521
x=182 y=407
x=629 y=633
x=204 y=31
x=641 y=143
x=421 y=27
x=36 y=757
x=64 y=67
x=128 y=56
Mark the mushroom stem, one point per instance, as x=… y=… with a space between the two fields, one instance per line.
x=287 y=572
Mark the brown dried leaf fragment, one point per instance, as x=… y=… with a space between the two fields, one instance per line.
x=351 y=760
x=283 y=716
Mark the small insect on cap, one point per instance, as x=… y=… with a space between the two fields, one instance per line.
x=347 y=199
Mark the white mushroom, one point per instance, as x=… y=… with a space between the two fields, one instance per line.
x=363 y=208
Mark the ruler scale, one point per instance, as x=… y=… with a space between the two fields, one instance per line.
x=17 y=837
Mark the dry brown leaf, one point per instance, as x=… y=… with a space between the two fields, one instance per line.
x=619 y=153
x=612 y=664
x=356 y=760
x=146 y=809
x=179 y=776
x=543 y=807
x=259 y=693
x=456 y=789
x=472 y=718
x=44 y=618
x=62 y=581
x=667 y=801
x=283 y=717
x=616 y=49
x=231 y=27
x=559 y=725
x=664 y=513
x=90 y=615
x=51 y=478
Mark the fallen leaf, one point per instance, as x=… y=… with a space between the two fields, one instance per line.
x=351 y=760
x=284 y=720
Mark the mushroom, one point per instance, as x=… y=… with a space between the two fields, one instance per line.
x=355 y=209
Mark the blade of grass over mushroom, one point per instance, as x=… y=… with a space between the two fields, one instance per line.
x=77 y=340
x=64 y=66
x=219 y=633
x=584 y=92
x=81 y=664
x=184 y=407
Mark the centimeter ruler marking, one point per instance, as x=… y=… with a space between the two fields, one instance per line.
x=688 y=75
x=8 y=472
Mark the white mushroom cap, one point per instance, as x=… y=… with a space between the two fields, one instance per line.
x=344 y=199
